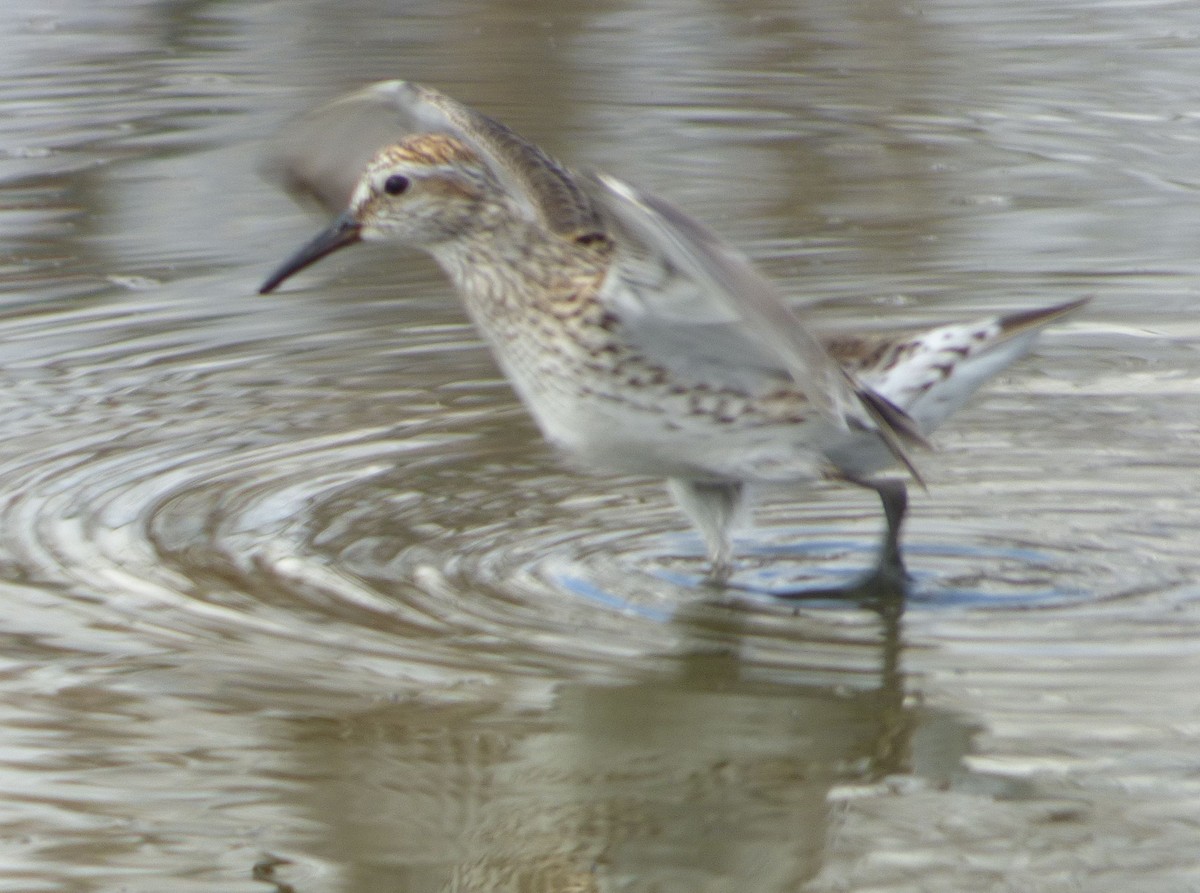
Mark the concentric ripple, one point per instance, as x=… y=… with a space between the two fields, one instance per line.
x=200 y=493
x=370 y=493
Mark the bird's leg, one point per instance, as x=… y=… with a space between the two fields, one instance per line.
x=886 y=584
x=712 y=507
x=894 y=496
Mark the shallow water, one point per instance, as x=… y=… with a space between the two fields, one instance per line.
x=297 y=600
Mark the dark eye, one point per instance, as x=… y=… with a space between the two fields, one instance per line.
x=395 y=184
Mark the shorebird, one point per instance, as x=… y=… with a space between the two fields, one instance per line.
x=637 y=339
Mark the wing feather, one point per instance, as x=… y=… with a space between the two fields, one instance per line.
x=321 y=155
x=709 y=305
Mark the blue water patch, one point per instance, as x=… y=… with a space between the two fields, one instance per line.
x=827 y=570
x=595 y=593
x=830 y=570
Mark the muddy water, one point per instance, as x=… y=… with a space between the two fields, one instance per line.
x=296 y=600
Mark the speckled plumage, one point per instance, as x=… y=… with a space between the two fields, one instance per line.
x=639 y=341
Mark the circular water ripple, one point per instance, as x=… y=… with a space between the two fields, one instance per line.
x=204 y=492
x=184 y=496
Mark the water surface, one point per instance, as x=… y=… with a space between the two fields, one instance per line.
x=297 y=600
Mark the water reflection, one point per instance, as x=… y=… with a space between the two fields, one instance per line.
x=709 y=775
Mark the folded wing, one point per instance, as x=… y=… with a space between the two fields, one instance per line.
x=689 y=299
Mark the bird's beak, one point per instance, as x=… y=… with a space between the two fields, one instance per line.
x=343 y=231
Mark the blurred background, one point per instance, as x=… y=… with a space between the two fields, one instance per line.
x=297 y=600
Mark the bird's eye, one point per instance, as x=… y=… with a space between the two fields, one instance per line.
x=395 y=184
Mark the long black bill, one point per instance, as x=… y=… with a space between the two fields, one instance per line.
x=344 y=231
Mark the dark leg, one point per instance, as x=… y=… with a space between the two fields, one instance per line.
x=887 y=583
x=894 y=496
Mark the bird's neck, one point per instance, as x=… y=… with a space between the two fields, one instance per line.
x=519 y=268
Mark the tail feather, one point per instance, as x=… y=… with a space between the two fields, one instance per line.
x=1032 y=320
x=910 y=383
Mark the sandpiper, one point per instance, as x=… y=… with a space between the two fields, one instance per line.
x=637 y=339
